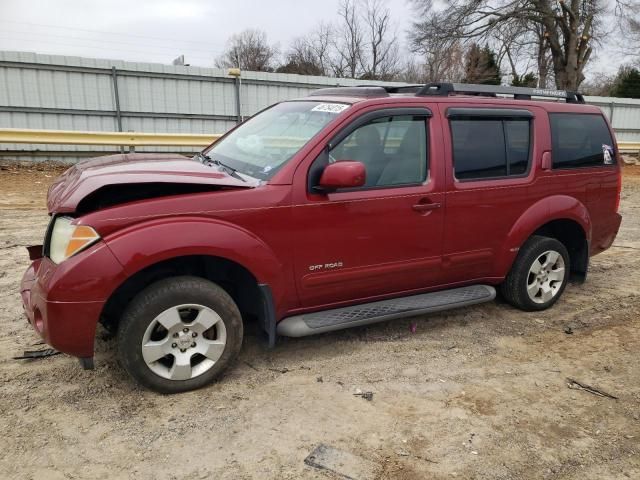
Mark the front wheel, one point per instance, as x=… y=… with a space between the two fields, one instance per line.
x=179 y=334
x=538 y=276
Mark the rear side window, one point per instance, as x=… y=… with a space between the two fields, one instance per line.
x=490 y=147
x=580 y=140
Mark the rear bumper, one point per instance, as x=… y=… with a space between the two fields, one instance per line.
x=608 y=235
x=63 y=303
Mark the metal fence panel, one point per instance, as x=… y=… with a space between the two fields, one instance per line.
x=624 y=115
x=75 y=93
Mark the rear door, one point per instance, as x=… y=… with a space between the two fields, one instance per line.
x=490 y=168
x=385 y=237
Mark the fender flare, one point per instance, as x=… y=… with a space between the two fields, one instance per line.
x=556 y=207
x=147 y=243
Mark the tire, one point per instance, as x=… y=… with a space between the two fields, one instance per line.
x=179 y=334
x=530 y=291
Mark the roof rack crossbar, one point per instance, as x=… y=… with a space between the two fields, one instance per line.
x=519 y=93
x=411 y=88
x=360 y=91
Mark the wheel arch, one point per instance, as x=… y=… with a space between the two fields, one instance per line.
x=235 y=258
x=238 y=281
x=571 y=234
x=561 y=217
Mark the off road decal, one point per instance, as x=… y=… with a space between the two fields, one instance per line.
x=325 y=266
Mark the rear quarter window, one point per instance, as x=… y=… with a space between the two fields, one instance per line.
x=580 y=140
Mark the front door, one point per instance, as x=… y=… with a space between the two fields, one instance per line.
x=384 y=237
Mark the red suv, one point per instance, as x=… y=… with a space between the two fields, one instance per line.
x=347 y=207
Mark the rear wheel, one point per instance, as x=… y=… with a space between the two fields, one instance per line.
x=179 y=334
x=538 y=276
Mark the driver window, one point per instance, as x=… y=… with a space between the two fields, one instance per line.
x=393 y=150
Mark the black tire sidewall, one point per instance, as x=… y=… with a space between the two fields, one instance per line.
x=155 y=299
x=514 y=288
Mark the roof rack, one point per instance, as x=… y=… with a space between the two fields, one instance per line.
x=446 y=89
x=364 y=91
x=396 y=88
x=518 y=93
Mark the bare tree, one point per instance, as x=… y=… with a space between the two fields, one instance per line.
x=508 y=46
x=249 y=50
x=599 y=84
x=348 y=43
x=570 y=28
x=628 y=13
x=412 y=71
x=312 y=54
x=364 y=43
x=321 y=41
x=443 y=57
x=379 y=53
x=513 y=45
x=301 y=59
x=524 y=48
x=543 y=56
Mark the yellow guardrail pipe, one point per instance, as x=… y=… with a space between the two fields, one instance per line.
x=629 y=146
x=134 y=139
x=138 y=139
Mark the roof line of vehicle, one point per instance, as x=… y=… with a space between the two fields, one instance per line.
x=480 y=100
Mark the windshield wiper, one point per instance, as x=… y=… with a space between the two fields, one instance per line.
x=207 y=160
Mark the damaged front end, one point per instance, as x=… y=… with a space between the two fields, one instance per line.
x=107 y=181
x=112 y=195
x=63 y=301
x=72 y=274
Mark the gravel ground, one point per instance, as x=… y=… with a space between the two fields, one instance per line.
x=478 y=393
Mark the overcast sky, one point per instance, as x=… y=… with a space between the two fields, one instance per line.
x=160 y=30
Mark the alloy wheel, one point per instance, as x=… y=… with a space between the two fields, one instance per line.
x=184 y=342
x=546 y=276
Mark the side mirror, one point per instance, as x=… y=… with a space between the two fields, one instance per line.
x=342 y=174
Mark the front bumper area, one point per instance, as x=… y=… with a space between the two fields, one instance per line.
x=63 y=303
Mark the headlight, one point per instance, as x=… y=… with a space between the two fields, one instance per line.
x=68 y=239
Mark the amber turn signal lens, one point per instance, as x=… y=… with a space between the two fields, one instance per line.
x=81 y=237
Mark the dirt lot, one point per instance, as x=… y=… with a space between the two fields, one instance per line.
x=479 y=393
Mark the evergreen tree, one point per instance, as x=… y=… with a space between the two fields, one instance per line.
x=528 y=80
x=481 y=66
x=627 y=83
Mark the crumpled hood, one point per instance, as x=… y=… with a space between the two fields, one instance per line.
x=87 y=176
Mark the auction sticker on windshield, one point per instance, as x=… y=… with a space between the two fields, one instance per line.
x=330 y=107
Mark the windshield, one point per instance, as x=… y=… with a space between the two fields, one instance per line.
x=264 y=143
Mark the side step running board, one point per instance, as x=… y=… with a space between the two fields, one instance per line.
x=367 y=313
